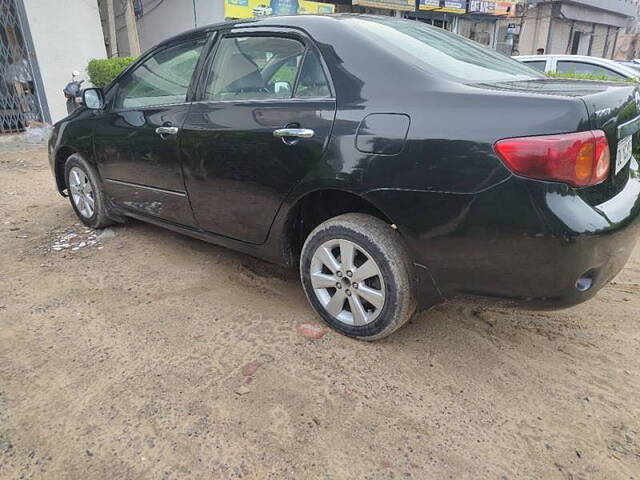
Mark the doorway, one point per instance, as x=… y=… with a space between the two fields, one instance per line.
x=575 y=44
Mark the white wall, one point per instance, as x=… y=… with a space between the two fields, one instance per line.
x=66 y=35
x=534 y=31
x=175 y=16
x=622 y=7
x=560 y=40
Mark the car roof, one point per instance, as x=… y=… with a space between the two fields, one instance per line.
x=577 y=58
x=295 y=21
x=338 y=42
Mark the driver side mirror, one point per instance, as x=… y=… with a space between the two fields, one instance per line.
x=282 y=89
x=93 y=98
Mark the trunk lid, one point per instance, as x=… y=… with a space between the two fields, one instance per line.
x=613 y=107
x=614 y=110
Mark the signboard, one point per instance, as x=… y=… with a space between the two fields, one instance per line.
x=493 y=7
x=267 y=8
x=448 y=6
x=407 y=5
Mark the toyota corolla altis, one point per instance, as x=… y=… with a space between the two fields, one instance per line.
x=395 y=164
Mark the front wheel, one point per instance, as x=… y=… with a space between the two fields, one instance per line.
x=358 y=276
x=85 y=194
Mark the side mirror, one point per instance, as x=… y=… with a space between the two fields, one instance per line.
x=93 y=98
x=282 y=88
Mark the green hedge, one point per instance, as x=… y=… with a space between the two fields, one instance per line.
x=587 y=76
x=102 y=71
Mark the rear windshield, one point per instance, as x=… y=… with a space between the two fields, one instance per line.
x=438 y=51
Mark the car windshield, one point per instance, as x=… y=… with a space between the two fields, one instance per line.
x=438 y=51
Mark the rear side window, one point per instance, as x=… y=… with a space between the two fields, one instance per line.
x=539 y=65
x=254 y=68
x=162 y=79
x=583 y=68
x=435 y=50
x=312 y=82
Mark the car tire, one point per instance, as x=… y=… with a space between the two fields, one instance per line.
x=85 y=193
x=373 y=299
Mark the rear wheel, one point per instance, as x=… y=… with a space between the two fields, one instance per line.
x=357 y=275
x=85 y=194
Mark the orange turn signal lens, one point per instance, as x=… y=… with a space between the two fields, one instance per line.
x=584 y=162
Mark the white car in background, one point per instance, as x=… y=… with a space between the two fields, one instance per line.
x=634 y=64
x=262 y=11
x=580 y=64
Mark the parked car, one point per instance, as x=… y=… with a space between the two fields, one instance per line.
x=262 y=11
x=580 y=64
x=404 y=165
x=633 y=64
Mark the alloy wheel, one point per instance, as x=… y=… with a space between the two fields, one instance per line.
x=81 y=192
x=348 y=282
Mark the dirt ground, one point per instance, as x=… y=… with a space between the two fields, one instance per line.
x=151 y=355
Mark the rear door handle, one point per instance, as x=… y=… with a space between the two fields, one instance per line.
x=294 y=133
x=167 y=131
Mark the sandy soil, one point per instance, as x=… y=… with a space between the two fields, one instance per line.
x=152 y=355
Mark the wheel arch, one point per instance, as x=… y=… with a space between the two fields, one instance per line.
x=314 y=207
x=308 y=211
x=62 y=154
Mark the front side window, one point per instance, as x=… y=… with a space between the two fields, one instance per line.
x=582 y=68
x=254 y=68
x=162 y=79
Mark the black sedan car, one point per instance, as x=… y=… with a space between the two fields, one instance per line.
x=396 y=164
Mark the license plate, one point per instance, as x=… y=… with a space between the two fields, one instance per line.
x=625 y=150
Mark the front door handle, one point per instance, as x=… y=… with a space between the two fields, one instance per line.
x=162 y=131
x=293 y=133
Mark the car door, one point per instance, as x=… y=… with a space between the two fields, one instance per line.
x=136 y=139
x=262 y=121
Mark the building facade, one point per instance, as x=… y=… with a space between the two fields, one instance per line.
x=156 y=20
x=478 y=20
x=628 y=46
x=579 y=27
x=41 y=43
x=133 y=26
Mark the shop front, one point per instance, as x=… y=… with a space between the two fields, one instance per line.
x=234 y=9
x=482 y=25
x=380 y=7
x=442 y=14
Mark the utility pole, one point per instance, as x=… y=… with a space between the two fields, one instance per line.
x=111 y=30
x=132 y=29
x=195 y=15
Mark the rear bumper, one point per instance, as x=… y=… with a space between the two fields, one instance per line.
x=596 y=241
x=523 y=240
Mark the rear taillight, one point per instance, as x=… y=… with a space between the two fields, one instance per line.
x=578 y=159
